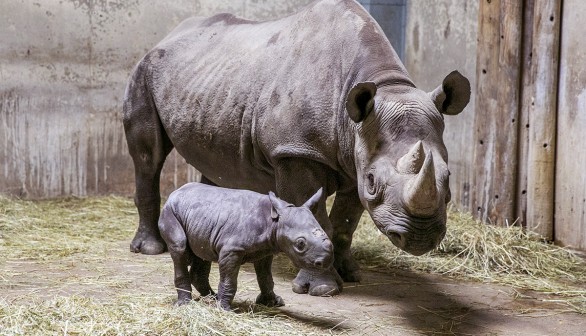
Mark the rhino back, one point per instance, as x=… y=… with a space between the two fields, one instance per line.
x=241 y=94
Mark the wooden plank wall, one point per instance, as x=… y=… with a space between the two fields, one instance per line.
x=570 y=173
x=531 y=116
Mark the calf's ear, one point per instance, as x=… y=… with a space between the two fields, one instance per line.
x=453 y=95
x=313 y=201
x=360 y=101
x=277 y=205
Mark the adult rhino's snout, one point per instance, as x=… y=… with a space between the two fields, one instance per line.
x=397 y=238
x=415 y=244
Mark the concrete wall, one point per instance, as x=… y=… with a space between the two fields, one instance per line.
x=441 y=37
x=63 y=70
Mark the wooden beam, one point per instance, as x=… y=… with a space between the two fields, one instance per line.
x=524 y=110
x=543 y=117
x=497 y=104
x=570 y=185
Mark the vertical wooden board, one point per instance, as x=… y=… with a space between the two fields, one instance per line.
x=523 y=122
x=497 y=104
x=441 y=37
x=486 y=105
x=542 y=117
x=570 y=189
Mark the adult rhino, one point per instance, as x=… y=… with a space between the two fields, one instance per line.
x=318 y=99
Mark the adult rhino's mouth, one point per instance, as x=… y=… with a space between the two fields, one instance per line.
x=413 y=235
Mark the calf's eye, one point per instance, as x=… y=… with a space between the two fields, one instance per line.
x=300 y=244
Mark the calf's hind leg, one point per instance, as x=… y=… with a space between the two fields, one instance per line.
x=174 y=236
x=148 y=145
x=200 y=275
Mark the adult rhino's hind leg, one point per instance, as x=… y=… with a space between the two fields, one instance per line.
x=148 y=145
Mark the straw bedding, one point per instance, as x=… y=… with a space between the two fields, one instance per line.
x=75 y=237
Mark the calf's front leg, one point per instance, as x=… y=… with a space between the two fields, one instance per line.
x=229 y=264
x=264 y=277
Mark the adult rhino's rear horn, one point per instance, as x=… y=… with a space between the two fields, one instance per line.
x=412 y=162
x=420 y=193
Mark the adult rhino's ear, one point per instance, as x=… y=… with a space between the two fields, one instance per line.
x=453 y=95
x=313 y=201
x=277 y=205
x=360 y=101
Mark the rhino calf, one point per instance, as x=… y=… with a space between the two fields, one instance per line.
x=202 y=223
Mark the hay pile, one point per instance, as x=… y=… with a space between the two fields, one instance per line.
x=59 y=235
x=474 y=251
x=56 y=229
x=77 y=315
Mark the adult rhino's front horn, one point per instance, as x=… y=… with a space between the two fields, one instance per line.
x=420 y=194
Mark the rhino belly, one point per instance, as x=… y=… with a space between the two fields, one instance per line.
x=219 y=147
x=226 y=169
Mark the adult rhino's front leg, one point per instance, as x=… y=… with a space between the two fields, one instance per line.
x=345 y=215
x=297 y=180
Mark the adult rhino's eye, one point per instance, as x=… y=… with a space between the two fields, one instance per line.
x=370 y=187
x=300 y=244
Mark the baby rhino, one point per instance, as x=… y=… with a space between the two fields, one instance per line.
x=202 y=223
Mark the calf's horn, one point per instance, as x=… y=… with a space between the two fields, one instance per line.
x=420 y=193
x=412 y=162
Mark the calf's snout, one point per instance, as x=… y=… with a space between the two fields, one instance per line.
x=323 y=262
x=326 y=256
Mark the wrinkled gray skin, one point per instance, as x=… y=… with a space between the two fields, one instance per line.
x=202 y=223
x=315 y=99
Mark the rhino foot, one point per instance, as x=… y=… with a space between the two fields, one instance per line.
x=349 y=270
x=270 y=300
x=147 y=244
x=320 y=283
x=351 y=276
x=182 y=302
